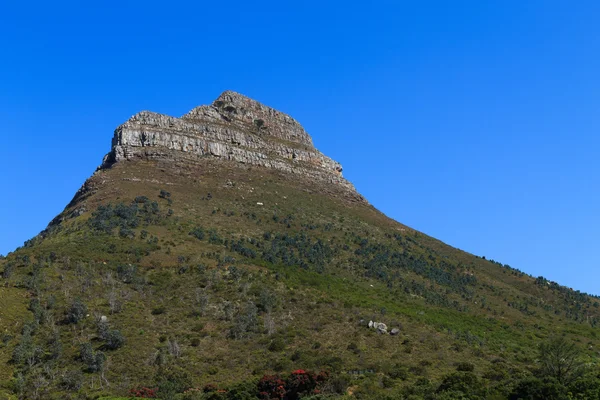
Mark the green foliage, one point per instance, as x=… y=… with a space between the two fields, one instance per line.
x=538 y=389
x=94 y=361
x=462 y=385
x=197 y=232
x=246 y=322
x=209 y=292
x=114 y=339
x=465 y=367
x=125 y=217
x=560 y=359
x=76 y=312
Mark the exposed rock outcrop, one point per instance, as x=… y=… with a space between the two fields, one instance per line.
x=234 y=128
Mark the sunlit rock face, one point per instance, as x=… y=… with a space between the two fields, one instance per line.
x=233 y=128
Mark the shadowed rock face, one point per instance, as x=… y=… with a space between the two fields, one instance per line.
x=234 y=128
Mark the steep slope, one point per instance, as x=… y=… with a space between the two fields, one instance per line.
x=222 y=246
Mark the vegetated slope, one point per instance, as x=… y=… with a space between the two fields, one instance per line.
x=181 y=275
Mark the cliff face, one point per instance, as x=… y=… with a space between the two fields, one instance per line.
x=234 y=128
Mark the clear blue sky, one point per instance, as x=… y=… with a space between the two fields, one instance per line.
x=476 y=122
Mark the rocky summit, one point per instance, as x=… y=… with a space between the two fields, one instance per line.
x=234 y=127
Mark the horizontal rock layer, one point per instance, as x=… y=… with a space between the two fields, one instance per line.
x=233 y=128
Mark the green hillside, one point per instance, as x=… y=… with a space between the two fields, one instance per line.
x=212 y=275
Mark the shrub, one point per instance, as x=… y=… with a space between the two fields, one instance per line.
x=114 y=339
x=267 y=300
x=198 y=233
x=277 y=344
x=94 y=361
x=245 y=322
x=538 y=389
x=399 y=372
x=465 y=367
x=271 y=387
x=144 y=392
x=72 y=380
x=76 y=312
x=158 y=310
x=8 y=270
x=299 y=383
x=127 y=273
x=302 y=383
x=464 y=383
x=172 y=382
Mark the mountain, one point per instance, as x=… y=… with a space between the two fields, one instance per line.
x=221 y=255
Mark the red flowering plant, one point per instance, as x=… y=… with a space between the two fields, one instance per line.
x=299 y=383
x=271 y=387
x=144 y=393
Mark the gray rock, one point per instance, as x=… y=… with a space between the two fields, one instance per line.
x=370 y=324
x=394 y=331
x=382 y=328
x=234 y=128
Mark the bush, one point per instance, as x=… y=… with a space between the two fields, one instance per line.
x=114 y=339
x=271 y=387
x=399 y=372
x=172 y=382
x=245 y=322
x=158 y=310
x=465 y=367
x=72 y=380
x=94 y=361
x=538 y=389
x=127 y=273
x=143 y=392
x=267 y=300
x=8 y=270
x=76 y=312
x=198 y=233
x=277 y=344
x=464 y=383
x=299 y=384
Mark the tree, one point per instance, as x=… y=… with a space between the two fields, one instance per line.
x=560 y=359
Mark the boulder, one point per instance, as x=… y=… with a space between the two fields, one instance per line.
x=394 y=331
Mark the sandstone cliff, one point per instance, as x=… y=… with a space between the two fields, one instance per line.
x=234 y=128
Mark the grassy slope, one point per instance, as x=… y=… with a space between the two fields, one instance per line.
x=501 y=314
